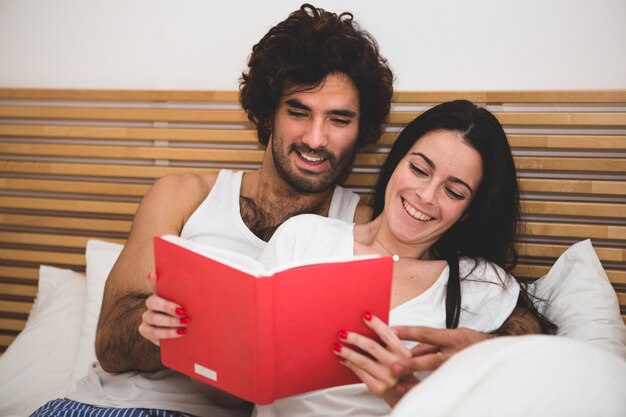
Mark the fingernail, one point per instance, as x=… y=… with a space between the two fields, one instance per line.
x=367 y=316
x=342 y=335
x=181 y=331
x=179 y=311
x=336 y=347
x=184 y=320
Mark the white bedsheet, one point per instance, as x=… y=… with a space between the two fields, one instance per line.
x=523 y=376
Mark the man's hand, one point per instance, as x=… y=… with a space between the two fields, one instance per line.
x=435 y=346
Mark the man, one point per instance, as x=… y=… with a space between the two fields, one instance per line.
x=316 y=88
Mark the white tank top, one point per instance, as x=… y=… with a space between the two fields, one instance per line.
x=217 y=221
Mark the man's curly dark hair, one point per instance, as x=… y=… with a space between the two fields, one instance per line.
x=298 y=54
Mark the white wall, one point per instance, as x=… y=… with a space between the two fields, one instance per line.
x=203 y=44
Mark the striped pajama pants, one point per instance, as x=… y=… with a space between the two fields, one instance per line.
x=68 y=408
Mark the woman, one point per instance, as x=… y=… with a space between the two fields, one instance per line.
x=446 y=208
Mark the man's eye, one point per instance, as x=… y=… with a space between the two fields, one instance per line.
x=294 y=113
x=343 y=122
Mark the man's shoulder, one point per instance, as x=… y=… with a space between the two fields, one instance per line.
x=187 y=182
x=178 y=195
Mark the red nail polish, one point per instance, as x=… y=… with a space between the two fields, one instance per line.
x=181 y=331
x=336 y=347
x=179 y=311
x=184 y=320
x=367 y=316
x=343 y=335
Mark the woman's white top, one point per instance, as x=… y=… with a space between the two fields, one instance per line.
x=488 y=296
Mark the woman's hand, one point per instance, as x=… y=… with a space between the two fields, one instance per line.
x=373 y=363
x=163 y=319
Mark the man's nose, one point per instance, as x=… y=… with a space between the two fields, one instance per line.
x=316 y=136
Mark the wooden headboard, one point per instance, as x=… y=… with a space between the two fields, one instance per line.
x=75 y=163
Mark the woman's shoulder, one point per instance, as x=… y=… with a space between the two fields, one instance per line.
x=479 y=269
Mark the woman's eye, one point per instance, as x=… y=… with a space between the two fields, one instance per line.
x=417 y=170
x=454 y=194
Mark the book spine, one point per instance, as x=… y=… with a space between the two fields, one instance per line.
x=263 y=354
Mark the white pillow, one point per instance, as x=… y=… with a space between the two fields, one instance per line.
x=522 y=376
x=38 y=364
x=100 y=258
x=580 y=300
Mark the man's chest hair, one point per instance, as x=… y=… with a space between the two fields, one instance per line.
x=263 y=221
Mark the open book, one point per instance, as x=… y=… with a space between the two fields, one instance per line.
x=263 y=334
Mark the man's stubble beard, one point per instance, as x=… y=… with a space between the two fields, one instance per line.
x=310 y=183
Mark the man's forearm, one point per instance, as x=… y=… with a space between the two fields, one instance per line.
x=119 y=346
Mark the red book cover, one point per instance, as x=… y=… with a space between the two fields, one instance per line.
x=263 y=334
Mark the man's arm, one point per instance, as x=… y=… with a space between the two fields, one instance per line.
x=164 y=210
x=437 y=345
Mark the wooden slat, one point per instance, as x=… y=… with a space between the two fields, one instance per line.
x=256 y=156
x=621 y=297
x=595 y=187
x=596 y=142
x=42 y=257
x=15 y=307
x=606 y=119
x=105 y=170
x=543 y=250
x=582 y=231
x=120 y=95
x=17 y=289
x=572 y=208
x=45 y=239
x=133 y=152
x=6 y=340
x=80 y=187
x=152 y=172
x=532 y=163
x=12 y=324
x=58 y=222
x=130 y=133
x=123 y=114
x=497 y=97
x=616 y=277
x=64 y=204
x=545 y=185
x=112 y=207
x=19 y=272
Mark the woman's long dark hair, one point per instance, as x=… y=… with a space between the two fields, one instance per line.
x=490 y=225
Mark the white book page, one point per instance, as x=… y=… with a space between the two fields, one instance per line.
x=235 y=260
x=251 y=265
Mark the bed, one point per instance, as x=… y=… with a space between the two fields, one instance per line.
x=75 y=163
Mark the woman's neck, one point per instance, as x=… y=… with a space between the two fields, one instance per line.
x=376 y=237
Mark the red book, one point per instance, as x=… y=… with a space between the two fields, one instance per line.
x=263 y=334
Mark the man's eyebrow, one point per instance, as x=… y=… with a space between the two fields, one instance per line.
x=294 y=102
x=432 y=165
